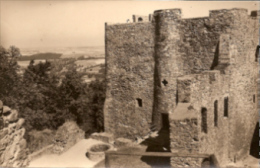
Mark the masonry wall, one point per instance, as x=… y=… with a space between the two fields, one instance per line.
x=130 y=75
x=184 y=46
x=243 y=84
x=209 y=134
x=235 y=78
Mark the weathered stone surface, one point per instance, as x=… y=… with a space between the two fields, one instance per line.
x=123 y=142
x=13 y=149
x=6 y=109
x=20 y=123
x=130 y=67
x=66 y=136
x=209 y=63
x=186 y=162
x=12 y=117
x=103 y=136
x=38 y=140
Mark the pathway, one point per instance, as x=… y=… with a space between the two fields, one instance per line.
x=74 y=157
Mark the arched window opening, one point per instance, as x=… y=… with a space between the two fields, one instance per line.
x=254 y=98
x=226 y=107
x=204 y=120
x=206 y=163
x=216 y=113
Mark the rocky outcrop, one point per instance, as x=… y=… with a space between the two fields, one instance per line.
x=13 y=147
x=66 y=136
x=39 y=139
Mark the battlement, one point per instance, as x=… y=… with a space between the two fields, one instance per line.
x=176 y=12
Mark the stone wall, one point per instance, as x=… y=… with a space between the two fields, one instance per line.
x=197 y=125
x=243 y=84
x=129 y=75
x=228 y=131
x=13 y=150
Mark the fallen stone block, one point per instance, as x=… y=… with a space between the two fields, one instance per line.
x=123 y=142
x=103 y=136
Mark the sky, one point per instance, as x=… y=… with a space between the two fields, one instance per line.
x=44 y=24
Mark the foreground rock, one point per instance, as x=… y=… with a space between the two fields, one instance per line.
x=13 y=149
x=66 y=136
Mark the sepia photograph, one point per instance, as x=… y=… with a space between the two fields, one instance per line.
x=129 y=84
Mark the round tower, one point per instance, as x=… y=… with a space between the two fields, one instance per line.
x=168 y=63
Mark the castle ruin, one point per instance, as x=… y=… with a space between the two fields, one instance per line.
x=195 y=76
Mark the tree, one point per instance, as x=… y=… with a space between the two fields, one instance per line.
x=9 y=77
x=97 y=92
x=49 y=93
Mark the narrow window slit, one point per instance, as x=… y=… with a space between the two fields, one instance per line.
x=204 y=120
x=216 y=113
x=226 y=107
x=139 y=102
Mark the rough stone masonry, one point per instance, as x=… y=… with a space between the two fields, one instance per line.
x=200 y=73
x=13 y=146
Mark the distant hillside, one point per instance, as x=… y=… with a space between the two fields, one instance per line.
x=42 y=56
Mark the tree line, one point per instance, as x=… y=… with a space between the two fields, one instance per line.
x=49 y=93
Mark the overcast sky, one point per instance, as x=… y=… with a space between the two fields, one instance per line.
x=30 y=24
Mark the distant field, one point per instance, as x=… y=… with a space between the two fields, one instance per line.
x=68 y=52
x=84 y=63
x=24 y=64
x=90 y=62
x=90 y=56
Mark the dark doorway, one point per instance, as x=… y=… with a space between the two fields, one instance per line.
x=210 y=162
x=255 y=148
x=160 y=143
x=165 y=121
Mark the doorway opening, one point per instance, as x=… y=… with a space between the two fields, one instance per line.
x=165 y=121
